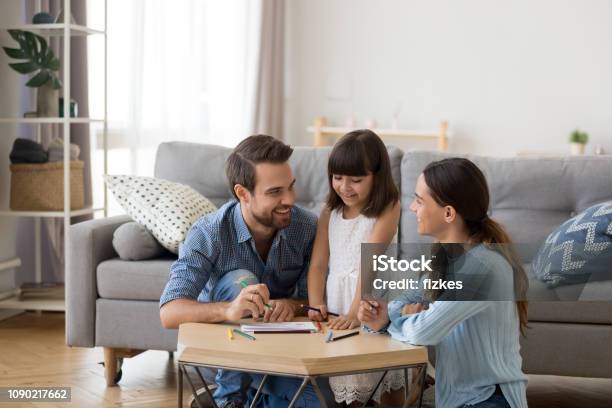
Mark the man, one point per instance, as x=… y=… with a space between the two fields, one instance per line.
x=260 y=238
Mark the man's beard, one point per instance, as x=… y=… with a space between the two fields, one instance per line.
x=269 y=221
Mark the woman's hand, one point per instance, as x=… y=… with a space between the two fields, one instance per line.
x=344 y=322
x=316 y=316
x=412 y=308
x=374 y=314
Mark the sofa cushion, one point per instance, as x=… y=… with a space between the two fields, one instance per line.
x=589 y=302
x=165 y=208
x=578 y=250
x=133 y=280
x=132 y=324
x=579 y=350
x=201 y=166
x=596 y=312
x=133 y=242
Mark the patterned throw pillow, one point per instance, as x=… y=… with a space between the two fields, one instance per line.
x=579 y=250
x=164 y=208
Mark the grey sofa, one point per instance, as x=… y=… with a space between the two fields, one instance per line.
x=114 y=304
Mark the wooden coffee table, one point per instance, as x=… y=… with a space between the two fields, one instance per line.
x=305 y=356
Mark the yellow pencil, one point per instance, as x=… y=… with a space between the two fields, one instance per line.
x=230 y=335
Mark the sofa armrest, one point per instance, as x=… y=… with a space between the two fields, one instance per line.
x=90 y=244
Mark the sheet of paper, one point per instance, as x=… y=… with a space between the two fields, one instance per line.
x=276 y=327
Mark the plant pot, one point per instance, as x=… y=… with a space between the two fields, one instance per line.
x=576 y=149
x=47 y=101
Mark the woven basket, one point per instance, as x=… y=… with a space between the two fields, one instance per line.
x=40 y=187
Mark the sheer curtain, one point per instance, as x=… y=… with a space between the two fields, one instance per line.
x=188 y=70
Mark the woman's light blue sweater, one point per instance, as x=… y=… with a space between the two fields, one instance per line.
x=476 y=342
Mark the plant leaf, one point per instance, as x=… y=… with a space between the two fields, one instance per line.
x=30 y=45
x=39 y=79
x=55 y=83
x=46 y=60
x=15 y=53
x=40 y=56
x=24 y=67
x=54 y=64
x=17 y=35
x=43 y=49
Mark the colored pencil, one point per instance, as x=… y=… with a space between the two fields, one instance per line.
x=314 y=309
x=244 y=284
x=344 y=336
x=281 y=331
x=230 y=335
x=329 y=336
x=243 y=334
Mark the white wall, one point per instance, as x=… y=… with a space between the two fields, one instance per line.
x=508 y=75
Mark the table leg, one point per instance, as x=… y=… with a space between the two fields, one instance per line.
x=208 y=391
x=298 y=393
x=423 y=383
x=195 y=392
x=263 y=381
x=180 y=386
x=320 y=396
x=375 y=388
x=406 y=382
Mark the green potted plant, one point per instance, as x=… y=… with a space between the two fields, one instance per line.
x=37 y=58
x=578 y=140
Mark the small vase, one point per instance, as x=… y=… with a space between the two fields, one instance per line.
x=576 y=149
x=46 y=101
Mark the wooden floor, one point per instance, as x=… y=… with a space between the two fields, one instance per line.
x=33 y=353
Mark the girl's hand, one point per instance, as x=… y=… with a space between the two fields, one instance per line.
x=344 y=322
x=316 y=316
x=412 y=308
x=374 y=314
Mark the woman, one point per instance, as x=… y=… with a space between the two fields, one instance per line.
x=478 y=363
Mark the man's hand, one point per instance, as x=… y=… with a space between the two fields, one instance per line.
x=250 y=300
x=283 y=310
x=412 y=308
x=374 y=314
x=316 y=316
x=344 y=322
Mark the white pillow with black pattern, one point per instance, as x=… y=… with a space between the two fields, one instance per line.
x=164 y=208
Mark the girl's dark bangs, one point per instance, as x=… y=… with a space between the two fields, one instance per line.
x=348 y=159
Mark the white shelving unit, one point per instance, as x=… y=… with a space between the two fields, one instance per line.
x=64 y=31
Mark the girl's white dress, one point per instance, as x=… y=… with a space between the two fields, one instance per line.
x=345 y=238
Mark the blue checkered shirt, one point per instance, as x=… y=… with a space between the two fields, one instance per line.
x=221 y=242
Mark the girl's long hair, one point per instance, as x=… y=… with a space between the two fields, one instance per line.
x=459 y=183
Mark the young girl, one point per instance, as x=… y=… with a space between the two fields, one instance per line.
x=478 y=363
x=362 y=207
